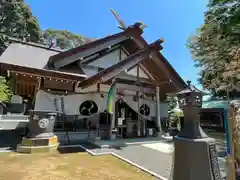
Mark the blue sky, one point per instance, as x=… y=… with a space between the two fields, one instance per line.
x=173 y=20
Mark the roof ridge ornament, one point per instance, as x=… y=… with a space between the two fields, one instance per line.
x=188 y=83
x=123 y=26
x=161 y=40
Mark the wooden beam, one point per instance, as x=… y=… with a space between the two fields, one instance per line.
x=114 y=70
x=70 y=59
x=26 y=82
x=119 y=67
x=98 y=87
x=44 y=76
x=165 y=70
x=153 y=68
x=100 y=54
x=42 y=72
x=135 y=88
x=151 y=78
x=124 y=66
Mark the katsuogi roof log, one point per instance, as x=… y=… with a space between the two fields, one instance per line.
x=127 y=63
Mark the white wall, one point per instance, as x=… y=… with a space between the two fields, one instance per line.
x=104 y=88
x=152 y=104
x=108 y=60
x=89 y=72
x=111 y=59
x=123 y=55
x=133 y=72
x=44 y=101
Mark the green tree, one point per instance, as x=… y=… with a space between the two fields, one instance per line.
x=63 y=39
x=172 y=102
x=17 y=21
x=5 y=92
x=215 y=47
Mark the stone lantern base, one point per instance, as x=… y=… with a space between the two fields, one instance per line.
x=38 y=145
x=195 y=159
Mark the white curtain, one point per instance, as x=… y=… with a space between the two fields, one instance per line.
x=151 y=104
x=129 y=100
x=44 y=101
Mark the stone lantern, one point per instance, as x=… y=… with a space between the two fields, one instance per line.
x=190 y=101
x=195 y=155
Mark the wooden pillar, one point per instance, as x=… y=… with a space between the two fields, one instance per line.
x=144 y=120
x=158 y=115
x=37 y=87
x=138 y=105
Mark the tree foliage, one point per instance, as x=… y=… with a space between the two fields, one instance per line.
x=16 y=20
x=63 y=39
x=5 y=91
x=172 y=102
x=216 y=47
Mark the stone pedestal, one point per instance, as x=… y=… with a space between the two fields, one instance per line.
x=195 y=159
x=40 y=137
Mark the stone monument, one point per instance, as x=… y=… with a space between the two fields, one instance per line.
x=40 y=136
x=195 y=155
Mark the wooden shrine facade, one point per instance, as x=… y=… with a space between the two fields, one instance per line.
x=26 y=81
x=124 y=57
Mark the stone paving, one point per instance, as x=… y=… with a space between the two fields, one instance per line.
x=157 y=157
x=151 y=159
x=155 y=161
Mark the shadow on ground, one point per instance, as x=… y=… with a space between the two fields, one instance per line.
x=9 y=140
x=66 y=150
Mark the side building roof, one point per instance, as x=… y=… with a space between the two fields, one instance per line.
x=33 y=58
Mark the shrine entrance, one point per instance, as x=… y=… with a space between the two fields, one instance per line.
x=125 y=119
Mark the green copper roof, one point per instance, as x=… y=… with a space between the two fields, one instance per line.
x=215 y=104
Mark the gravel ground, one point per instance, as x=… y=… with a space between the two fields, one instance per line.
x=150 y=159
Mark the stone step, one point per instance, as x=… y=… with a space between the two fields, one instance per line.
x=62 y=136
x=36 y=149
